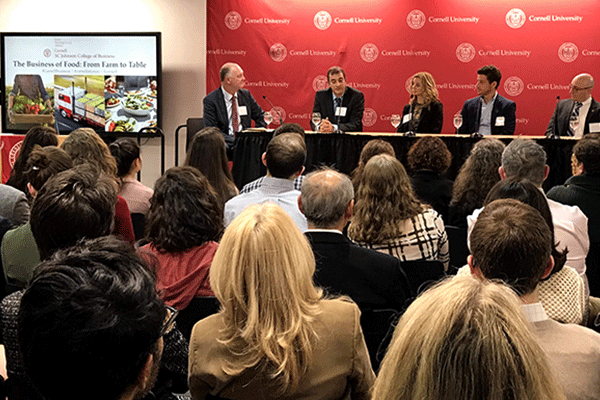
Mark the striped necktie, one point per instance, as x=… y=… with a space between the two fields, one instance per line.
x=234 y=115
x=575 y=115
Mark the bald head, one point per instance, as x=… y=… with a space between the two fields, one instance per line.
x=326 y=199
x=581 y=87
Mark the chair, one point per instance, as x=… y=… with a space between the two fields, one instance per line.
x=378 y=326
x=459 y=251
x=199 y=308
x=139 y=223
x=192 y=125
x=421 y=274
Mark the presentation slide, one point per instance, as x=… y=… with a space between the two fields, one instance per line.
x=108 y=83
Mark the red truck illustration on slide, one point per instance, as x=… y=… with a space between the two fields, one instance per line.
x=79 y=105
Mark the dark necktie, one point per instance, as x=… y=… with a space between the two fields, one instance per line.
x=338 y=104
x=234 y=115
x=575 y=114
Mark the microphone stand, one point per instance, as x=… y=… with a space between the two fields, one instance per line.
x=276 y=110
x=409 y=132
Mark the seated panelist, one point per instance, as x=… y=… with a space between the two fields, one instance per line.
x=424 y=113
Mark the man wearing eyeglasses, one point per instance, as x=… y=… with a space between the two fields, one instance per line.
x=581 y=108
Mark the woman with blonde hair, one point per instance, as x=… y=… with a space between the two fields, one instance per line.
x=465 y=339
x=275 y=336
x=424 y=112
x=389 y=218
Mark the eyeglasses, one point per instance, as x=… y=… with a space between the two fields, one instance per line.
x=577 y=88
x=170 y=321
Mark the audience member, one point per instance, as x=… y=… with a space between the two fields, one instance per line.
x=184 y=223
x=13 y=205
x=207 y=154
x=126 y=152
x=521 y=255
x=285 y=128
x=85 y=146
x=465 y=339
x=275 y=336
x=389 y=218
x=372 y=148
x=19 y=251
x=38 y=135
x=91 y=324
x=429 y=159
x=475 y=179
x=284 y=159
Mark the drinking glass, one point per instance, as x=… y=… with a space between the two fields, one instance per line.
x=268 y=118
x=316 y=118
x=395 y=120
x=458 y=121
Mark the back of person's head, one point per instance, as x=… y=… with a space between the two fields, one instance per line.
x=478 y=175
x=89 y=322
x=373 y=148
x=38 y=135
x=478 y=346
x=429 y=153
x=290 y=127
x=325 y=197
x=74 y=204
x=125 y=151
x=384 y=199
x=527 y=193
x=492 y=73
x=285 y=155
x=262 y=259
x=208 y=155
x=524 y=158
x=587 y=152
x=512 y=242
x=45 y=162
x=85 y=146
x=185 y=211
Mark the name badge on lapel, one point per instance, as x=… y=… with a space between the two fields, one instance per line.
x=594 y=127
x=406 y=118
x=242 y=110
x=341 y=111
x=499 y=121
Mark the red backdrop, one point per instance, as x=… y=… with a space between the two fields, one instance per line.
x=286 y=46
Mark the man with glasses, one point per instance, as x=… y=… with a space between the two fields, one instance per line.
x=581 y=108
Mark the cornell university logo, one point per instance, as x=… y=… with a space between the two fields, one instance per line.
x=415 y=19
x=465 y=52
x=276 y=116
x=322 y=20
x=514 y=86
x=369 y=52
x=47 y=53
x=278 y=52
x=515 y=18
x=320 y=83
x=369 y=117
x=568 y=52
x=233 y=20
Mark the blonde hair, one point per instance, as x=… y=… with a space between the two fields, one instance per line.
x=384 y=199
x=262 y=276
x=465 y=339
x=430 y=92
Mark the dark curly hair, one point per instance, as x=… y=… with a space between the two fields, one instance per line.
x=45 y=162
x=430 y=153
x=587 y=151
x=185 y=211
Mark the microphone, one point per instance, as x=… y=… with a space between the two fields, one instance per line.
x=411 y=107
x=276 y=110
x=557 y=99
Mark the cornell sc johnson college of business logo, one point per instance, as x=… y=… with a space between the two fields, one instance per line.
x=369 y=117
x=322 y=20
x=568 y=52
x=415 y=19
x=515 y=18
x=369 y=52
x=465 y=52
x=278 y=52
x=233 y=20
x=320 y=83
x=514 y=86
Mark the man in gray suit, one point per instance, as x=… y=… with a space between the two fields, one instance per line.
x=581 y=107
x=520 y=255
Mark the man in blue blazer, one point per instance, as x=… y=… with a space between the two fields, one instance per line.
x=488 y=113
x=218 y=105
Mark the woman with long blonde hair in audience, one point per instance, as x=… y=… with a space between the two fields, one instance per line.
x=275 y=336
x=465 y=339
x=389 y=218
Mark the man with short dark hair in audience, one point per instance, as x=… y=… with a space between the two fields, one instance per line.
x=525 y=159
x=511 y=242
x=91 y=324
x=372 y=279
x=284 y=159
x=287 y=127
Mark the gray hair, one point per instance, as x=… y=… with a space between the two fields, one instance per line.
x=326 y=194
x=525 y=159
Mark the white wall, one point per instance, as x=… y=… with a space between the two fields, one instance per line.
x=183 y=27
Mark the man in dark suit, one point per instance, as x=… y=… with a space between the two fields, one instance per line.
x=219 y=110
x=341 y=107
x=488 y=113
x=373 y=280
x=581 y=106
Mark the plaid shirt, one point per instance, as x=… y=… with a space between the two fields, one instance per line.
x=258 y=183
x=423 y=238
